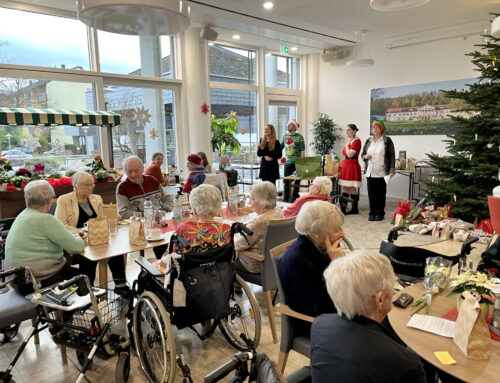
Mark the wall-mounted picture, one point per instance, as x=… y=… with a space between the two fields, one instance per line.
x=418 y=109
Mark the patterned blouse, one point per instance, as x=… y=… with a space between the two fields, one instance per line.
x=205 y=235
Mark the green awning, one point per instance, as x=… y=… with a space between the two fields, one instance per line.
x=51 y=117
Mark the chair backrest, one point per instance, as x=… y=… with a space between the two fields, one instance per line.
x=276 y=254
x=278 y=232
x=219 y=181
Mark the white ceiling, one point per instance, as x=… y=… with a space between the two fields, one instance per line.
x=322 y=24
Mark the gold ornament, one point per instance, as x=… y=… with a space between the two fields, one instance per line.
x=142 y=115
x=232 y=116
x=243 y=131
x=153 y=134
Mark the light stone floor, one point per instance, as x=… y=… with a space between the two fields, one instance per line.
x=43 y=363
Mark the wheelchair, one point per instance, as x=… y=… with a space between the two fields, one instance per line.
x=210 y=299
x=409 y=262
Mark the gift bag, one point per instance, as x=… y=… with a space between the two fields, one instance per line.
x=472 y=335
x=98 y=231
x=110 y=210
x=403 y=209
x=308 y=167
x=136 y=235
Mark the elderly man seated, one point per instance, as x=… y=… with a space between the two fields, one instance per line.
x=133 y=191
x=320 y=189
x=354 y=345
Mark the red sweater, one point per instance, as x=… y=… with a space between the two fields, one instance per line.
x=294 y=208
x=155 y=171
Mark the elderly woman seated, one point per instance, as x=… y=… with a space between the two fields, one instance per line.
x=204 y=233
x=74 y=210
x=353 y=345
x=263 y=201
x=320 y=189
x=37 y=239
x=319 y=225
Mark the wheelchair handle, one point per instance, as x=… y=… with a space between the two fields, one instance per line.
x=5 y=274
x=466 y=246
x=393 y=233
x=240 y=227
x=225 y=369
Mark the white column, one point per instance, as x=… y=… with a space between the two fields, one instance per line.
x=197 y=133
x=311 y=99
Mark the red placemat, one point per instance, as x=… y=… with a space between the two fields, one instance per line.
x=453 y=315
x=170 y=226
x=226 y=213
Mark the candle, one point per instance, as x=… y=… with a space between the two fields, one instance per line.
x=455 y=197
x=476 y=136
x=470 y=156
x=454 y=142
x=432 y=180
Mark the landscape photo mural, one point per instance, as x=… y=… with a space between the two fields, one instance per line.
x=418 y=109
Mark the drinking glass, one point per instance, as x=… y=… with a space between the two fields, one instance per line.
x=113 y=226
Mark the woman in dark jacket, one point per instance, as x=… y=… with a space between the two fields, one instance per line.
x=380 y=160
x=270 y=150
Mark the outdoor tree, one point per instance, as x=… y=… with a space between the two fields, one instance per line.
x=470 y=170
x=326 y=133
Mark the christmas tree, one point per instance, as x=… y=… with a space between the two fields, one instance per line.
x=470 y=170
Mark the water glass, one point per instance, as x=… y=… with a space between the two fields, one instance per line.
x=113 y=226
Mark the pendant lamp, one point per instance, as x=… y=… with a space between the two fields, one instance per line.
x=356 y=61
x=396 y=5
x=135 y=17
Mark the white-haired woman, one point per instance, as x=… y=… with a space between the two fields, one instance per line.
x=74 y=210
x=320 y=189
x=204 y=232
x=37 y=238
x=354 y=345
x=263 y=201
x=319 y=225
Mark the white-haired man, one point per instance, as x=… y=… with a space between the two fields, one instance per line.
x=137 y=187
x=320 y=189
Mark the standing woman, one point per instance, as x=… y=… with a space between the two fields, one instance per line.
x=380 y=160
x=350 y=172
x=270 y=150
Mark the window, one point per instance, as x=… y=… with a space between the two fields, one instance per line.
x=140 y=57
x=28 y=38
x=60 y=147
x=282 y=72
x=147 y=123
x=280 y=112
x=230 y=64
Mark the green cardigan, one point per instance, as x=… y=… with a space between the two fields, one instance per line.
x=37 y=240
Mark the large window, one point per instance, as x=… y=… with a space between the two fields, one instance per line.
x=143 y=56
x=235 y=65
x=60 y=147
x=147 y=123
x=282 y=72
x=35 y=39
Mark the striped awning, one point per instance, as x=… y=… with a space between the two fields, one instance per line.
x=51 y=117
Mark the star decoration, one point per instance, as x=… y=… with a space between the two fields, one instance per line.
x=142 y=115
x=243 y=131
x=153 y=134
x=58 y=147
x=232 y=116
x=205 y=108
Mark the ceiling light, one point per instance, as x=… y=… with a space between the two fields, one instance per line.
x=396 y=5
x=135 y=17
x=236 y=37
x=268 y=5
x=495 y=27
x=357 y=62
x=294 y=49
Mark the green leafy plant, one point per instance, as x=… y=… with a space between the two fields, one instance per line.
x=326 y=133
x=223 y=135
x=478 y=284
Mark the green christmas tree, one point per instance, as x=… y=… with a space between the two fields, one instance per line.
x=470 y=170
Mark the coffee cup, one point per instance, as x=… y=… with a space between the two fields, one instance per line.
x=155 y=233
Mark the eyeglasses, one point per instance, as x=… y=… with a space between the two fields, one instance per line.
x=87 y=185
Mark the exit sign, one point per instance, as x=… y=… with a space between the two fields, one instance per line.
x=283 y=49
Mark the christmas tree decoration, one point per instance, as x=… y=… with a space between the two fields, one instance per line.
x=142 y=115
x=205 y=108
x=154 y=134
x=469 y=172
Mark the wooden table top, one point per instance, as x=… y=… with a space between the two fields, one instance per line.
x=425 y=343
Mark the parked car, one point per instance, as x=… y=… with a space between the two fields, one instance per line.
x=25 y=149
x=15 y=154
x=49 y=153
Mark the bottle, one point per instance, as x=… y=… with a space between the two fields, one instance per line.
x=495 y=321
x=149 y=217
x=232 y=204
x=177 y=211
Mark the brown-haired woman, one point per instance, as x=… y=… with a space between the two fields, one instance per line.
x=204 y=162
x=155 y=168
x=270 y=150
x=350 y=172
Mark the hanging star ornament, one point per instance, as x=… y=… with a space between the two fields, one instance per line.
x=243 y=131
x=205 y=108
x=154 y=134
x=142 y=115
x=232 y=116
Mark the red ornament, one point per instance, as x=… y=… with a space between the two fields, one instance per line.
x=205 y=108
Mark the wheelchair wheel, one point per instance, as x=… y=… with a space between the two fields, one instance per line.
x=346 y=245
x=9 y=333
x=122 y=371
x=244 y=318
x=154 y=339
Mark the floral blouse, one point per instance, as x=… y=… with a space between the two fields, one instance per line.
x=205 y=235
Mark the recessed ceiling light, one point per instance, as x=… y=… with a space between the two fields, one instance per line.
x=236 y=37
x=210 y=44
x=294 y=49
x=268 y=5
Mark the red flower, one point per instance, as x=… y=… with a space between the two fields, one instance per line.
x=10 y=187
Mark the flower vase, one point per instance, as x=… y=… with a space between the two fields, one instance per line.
x=485 y=307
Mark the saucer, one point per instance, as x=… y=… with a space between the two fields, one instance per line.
x=149 y=239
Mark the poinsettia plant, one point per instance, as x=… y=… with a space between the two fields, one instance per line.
x=475 y=282
x=5 y=165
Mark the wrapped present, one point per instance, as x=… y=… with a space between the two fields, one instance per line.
x=446 y=232
x=436 y=232
x=460 y=235
x=441 y=213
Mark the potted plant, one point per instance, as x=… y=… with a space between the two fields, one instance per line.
x=223 y=138
x=479 y=285
x=325 y=133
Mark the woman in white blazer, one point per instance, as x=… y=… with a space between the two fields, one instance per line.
x=74 y=210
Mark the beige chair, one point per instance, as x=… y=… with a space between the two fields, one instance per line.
x=220 y=182
x=277 y=232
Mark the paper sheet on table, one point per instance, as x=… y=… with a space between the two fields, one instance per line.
x=387 y=179
x=432 y=324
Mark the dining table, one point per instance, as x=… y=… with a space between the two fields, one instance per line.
x=425 y=343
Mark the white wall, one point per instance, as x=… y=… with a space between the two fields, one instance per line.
x=345 y=92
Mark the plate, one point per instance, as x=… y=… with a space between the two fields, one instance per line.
x=149 y=239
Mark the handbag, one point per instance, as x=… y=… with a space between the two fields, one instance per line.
x=98 y=231
x=136 y=235
x=308 y=167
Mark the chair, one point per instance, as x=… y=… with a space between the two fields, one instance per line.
x=289 y=339
x=220 y=182
x=277 y=232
